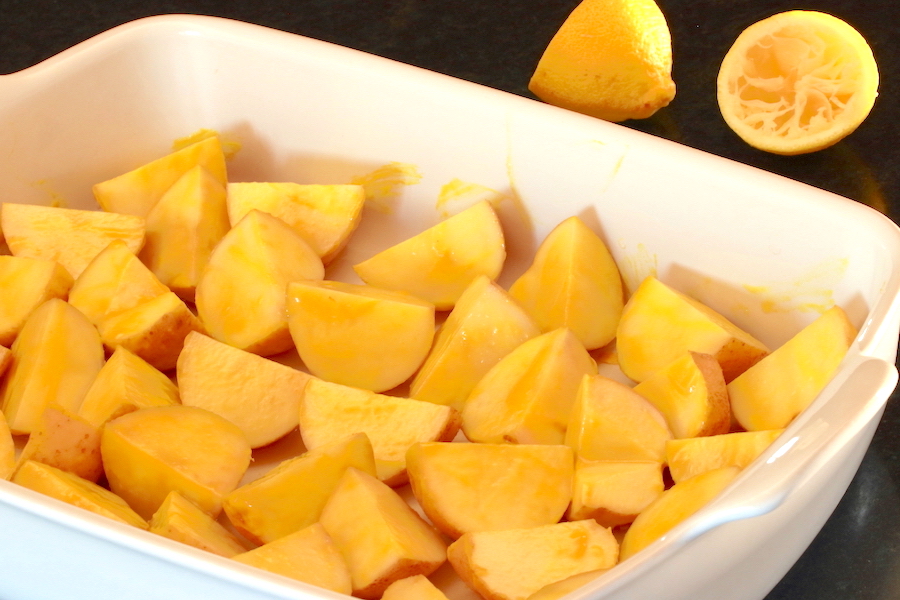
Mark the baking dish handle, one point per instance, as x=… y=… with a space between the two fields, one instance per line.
x=856 y=396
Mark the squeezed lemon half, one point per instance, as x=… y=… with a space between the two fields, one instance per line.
x=610 y=59
x=797 y=82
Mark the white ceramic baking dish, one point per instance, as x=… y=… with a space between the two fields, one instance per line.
x=766 y=251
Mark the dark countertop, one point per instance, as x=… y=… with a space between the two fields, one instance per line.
x=497 y=43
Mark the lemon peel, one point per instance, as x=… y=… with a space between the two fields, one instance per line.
x=797 y=82
x=610 y=59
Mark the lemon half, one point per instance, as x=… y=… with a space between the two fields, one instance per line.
x=610 y=59
x=797 y=82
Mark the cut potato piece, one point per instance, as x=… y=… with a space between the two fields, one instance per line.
x=308 y=555
x=775 y=390
x=660 y=324
x=291 y=496
x=27 y=283
x=68 y=236
x=610 y=421
x=515 y=563
x=526 y=398
x=76 y=491
x=154 y=330
x=258 y=395
x=573 y=282
x=153 y=451
x=484 y=326
x=125 y=383
x=66 y=441
x=137 y=191
x=479 y=487
x=380 y=536
x=614 y=492
x=116 y=280
x=674 y=506
x=183 y=228
x=56 y=357
x=690 y=393
x=7 y=450
x=692 y=456
x=559 y=589
x=440 y=263
x=324 y=215
x=359 y=335
x=417 y=587
x=241 y=294
x=181 y=520
x=330 y=411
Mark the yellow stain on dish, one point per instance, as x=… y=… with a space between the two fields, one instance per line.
x=383 y=184
x=637 y=265
x=55 y=198
x=813 y=292
x=229 y=147
x=617 y=166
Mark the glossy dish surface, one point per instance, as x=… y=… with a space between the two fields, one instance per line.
x=309 y=111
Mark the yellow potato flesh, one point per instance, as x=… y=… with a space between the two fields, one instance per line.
x=614 y=492
x=56 y=357
x=527 y=397
x=359 y=335
x=27 y=283
x=484 y=326
x=153 y=451
x=181 y=520
x=417 y=587
x=692 y=456
x=573 y=282
x=63 y=440
x=479 y=487
x=291 y=496
x=308 y=555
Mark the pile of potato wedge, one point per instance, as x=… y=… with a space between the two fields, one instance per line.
x=443 y=418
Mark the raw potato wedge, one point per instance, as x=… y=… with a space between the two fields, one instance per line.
x=610 y=421
x=181 y=520
x=527 y=397
x=182 y=229
x=438 y=264
x=487 y=487
x=690 y=393
x=153 y=451
x=154 y=330
x=674 y=506
x=27 y=283
x=76 y=491
x=614 y=492
x=66 y=441
x=115 y=281
x=484 y=326
x=126 y=383
x=359 y=335
x=258 y=395
x=308 y=555
x=692 y=456
x=137 y=191
x=68 y=236
x=241 y=295
x=56 y=357
x=659 y=324
x=573 y=282
x=559 y=589
x=770 y=395
x=324 y=215
x=329 y=411
x=380 y=536
x=513 y=564
x=417 y=587
x=291 y=496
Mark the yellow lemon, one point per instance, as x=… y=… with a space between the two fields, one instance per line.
x=610 y=59
x=797 y=82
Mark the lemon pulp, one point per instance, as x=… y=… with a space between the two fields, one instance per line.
x=797 y=82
